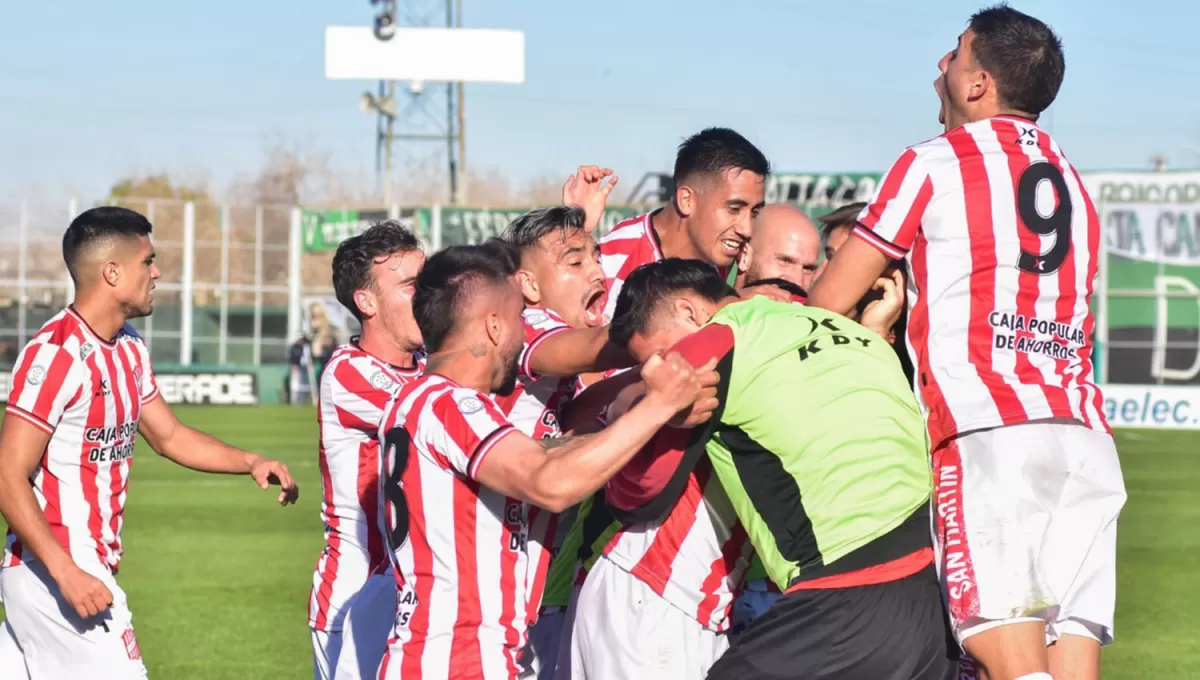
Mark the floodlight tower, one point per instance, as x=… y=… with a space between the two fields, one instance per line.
x=422 y=41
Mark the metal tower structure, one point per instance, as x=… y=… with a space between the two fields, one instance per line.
x=428 y=122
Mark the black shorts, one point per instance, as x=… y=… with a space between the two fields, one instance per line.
x=889 y=631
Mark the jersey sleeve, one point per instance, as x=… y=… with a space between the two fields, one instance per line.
x=893 y=215
x=47 y=381
x=469 y=424
x=539 y=325
x=147 y=382
x=661 y=466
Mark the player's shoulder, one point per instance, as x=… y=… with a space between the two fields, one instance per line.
x=541 y=318
x=62 y=332
x=626 y=235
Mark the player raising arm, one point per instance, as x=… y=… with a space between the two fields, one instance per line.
x=82 y=390
x=1002 y=242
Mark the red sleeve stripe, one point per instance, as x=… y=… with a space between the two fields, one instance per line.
x=711 y=342
x=152 y=396
x=30 y=418
x=907 y=233
x=890 y=188
x=885 y=246
x=485 y=445
x=527 y=355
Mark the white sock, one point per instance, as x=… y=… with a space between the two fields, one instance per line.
x=1037 y=676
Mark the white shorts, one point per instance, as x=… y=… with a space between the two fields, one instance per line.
x=1026 y=528
x=327 y=646
x=623 y=629
x=55 y=642
x=370 y=614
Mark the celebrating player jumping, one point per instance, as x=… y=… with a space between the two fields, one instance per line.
x=1002 y=241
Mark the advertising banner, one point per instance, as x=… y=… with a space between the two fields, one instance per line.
x=1150 y=223
x=323 y=230
x=1159 y=407
x=188 y=387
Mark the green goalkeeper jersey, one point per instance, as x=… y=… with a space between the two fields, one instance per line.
x=818 y=441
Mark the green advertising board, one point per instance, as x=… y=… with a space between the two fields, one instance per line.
x=322 y=230
x=1149 y=297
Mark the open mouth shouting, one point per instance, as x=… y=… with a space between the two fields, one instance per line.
x=593 y=307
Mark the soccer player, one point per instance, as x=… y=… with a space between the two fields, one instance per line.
x=821 y=447
x=374 y=277
x=461 y=479
x=559 y=276
x=691 y=561
x=1002 y=238
x=784 y=245
x=836 y=228
x=82 y=389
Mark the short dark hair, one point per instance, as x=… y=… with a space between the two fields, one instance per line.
x=506 y=254
x=97 y=224
x=527 y=231
x=1022 y=53
x=354 y=257
x=845 y=216
x=446 y=281
x=715 y=150
x=783 y=284
x=650 y=284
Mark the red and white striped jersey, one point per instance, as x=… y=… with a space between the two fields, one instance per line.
x=696 y=557
x=1002 y=242
x=534 y=405
x=87 y=393
x=629 y=245
x=534 y=408
x=460 y=547
x=355 y=389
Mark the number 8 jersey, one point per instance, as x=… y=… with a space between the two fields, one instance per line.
x=1002 y=241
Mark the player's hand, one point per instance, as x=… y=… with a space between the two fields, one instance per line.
x=85 y=593
x=268 y=472
x=588 y=190
x=881 y=315
x=671 y=381
x=702 y=409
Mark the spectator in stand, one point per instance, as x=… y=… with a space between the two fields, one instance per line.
x=299 y=360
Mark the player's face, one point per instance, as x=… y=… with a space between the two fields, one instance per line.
x=788 y=254
x=512 y=339
x=135 y=285
x=833 y=241
x=953 y=83
x=395 y=282
x=686 y=315
x=722 y=212
x=569 y=279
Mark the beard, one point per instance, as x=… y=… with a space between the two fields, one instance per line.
x=511 y=368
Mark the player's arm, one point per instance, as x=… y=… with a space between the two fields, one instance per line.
x=887 y=229
x=584 y=409
x=558 y=473
x=572 y=351
x=30 y=419
x=194 y=449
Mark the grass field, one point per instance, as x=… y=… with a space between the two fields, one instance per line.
x=218 y=575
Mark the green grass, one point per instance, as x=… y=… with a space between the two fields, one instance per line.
x=218 y=575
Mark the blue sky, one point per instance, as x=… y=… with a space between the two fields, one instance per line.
x=94 y=91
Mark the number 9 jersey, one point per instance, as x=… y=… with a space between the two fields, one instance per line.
x=1002 y=241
